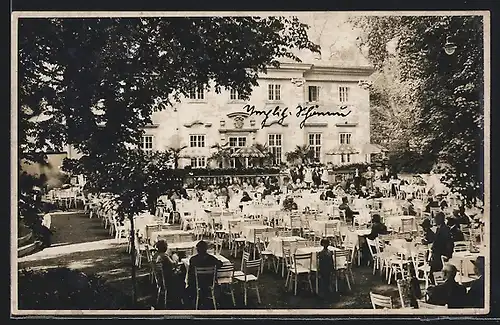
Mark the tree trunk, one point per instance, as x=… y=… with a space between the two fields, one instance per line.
x=132 y=255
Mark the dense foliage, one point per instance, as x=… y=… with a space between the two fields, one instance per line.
x=447 y=90
x=66 y=289
x=94 y=83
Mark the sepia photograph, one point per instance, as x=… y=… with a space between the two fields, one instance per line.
x=250 y=163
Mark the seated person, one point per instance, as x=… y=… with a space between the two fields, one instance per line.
x=475 y=296
x=455 y=232
x=363 y=194
x=325 y=266
x=378 y=228
x=410 y=208
x=201 y=259
x=461 y=216
x=352 y=190
x=377 y=194
x=429 y=235
x=165 y=264
x=448 y=293
x=329 y=193
x=349 y=214
x=246 y=197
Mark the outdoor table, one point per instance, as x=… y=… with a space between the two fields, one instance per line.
x=356 y=237
x=157 y=235
x=402 y=246
x=463 y=261
x=315 y=250
x=319 y=226
x=185 y=261
x=144 y=231
x=362 y=216
x=275 y=245
x=395 y=222
x=182 y=245
x=248 y=231
x=226 y=221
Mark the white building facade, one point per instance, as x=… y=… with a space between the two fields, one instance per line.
x=338 y=128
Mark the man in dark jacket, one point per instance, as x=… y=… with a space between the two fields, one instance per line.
x=349 y=214
x=378 y=228
x=455 y=232
x=450 y=292
x=475 y=296
x=429 y=235
x=202 y=259
x=443 y=243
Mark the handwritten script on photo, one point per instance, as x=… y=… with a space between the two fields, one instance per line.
x=301 y=112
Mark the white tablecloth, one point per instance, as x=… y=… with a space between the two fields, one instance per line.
x=319 y=226
x=395 y=222
x=463 y=261
x=182 y=245
x=353 y=236
x=157 y=235
x=276 y=244
x=248 y=231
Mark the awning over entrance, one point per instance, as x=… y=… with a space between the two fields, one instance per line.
x=248 y=152
x=343 y=149
x=370 y=148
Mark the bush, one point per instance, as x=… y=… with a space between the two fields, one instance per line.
x=66 y=289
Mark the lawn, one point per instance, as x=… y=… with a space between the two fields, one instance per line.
x=113 y=264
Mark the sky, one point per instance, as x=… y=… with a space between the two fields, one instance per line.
x=337 y=38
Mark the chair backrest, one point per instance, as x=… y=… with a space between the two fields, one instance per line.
x=341 y=258
x=426 y=305
x=406 y=225
x=244 y=257
x=285 y=233
x=225 y=271
x=461 y=246
x=379 y=300
x=300 y=244
x=438 y=277
x=252 y=267
x=405 y=294
x=372 y=243
x=305 y=260
x=205 y=272
x=332 y=229
x=433 y=211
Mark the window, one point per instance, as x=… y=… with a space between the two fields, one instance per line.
x=313 y=94
x=274 y=92
x=235 y=143
x=196 y=93
x=147 y=143
x=274 y=144
x=315 y=145
x=343 y=94
x=345 y=158
x=198 y=162
x=234 y=95
x=345 y=138
x=197 y=141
